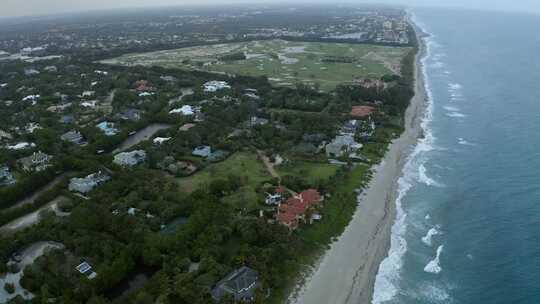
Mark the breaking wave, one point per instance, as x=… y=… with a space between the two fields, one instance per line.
x=434 y=266
x=456 y=115
x=425 y=179
x=428 y=238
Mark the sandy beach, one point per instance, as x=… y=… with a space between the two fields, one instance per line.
x=347 y=271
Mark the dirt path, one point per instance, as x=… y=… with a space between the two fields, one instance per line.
x=268 y=164
x=32 y=218
x=185 y=92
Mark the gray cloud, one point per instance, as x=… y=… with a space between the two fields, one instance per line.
x=43 y=7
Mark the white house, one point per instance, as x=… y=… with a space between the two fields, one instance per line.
x=21 y=146
x=215 y=85
x=89 y=103
x=88 y=93
x=186 y=110
x=160 y=140
x=32 y=98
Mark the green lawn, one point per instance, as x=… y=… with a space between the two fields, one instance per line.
x=242 y=164
x=311 y=171
x=285 y=63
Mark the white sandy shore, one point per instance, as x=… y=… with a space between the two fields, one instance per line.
x=347 y=271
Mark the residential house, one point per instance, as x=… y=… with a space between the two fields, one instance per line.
x=362 y=111
x=349 y=128
x=51 y=69
x=67 y=119
x=86 y=269
x=161 y=140
x=88 y=94
x=257 y=121
x=202 y=151
x=107 y=128
x=273 y=199
x=36 y=162
x=186 y=110
x=89 y=104
x=130 y=114
x=130 y=159
x=294 y=210
x=252 y=96
x=74 y=137
x=5 y=135
x=145 y=94
x=59 y=108
x=21 y=146
x=86 y=184
x=341 y=145
x=31 y=72
x=143 y=86
x=241 y=284
x=215 y=85
x=31 y=127
x=32 y=98
x=6 y=178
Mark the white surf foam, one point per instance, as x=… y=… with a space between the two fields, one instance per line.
x=451 y=109
x=425 y=179
x=456 y=115
x=433 y=292
x=464 y=142
x=388 y=276
x=428 y=238
x=434 y=266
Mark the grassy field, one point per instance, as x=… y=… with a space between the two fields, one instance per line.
x=243 y=164
x=311 y=171
x=285 y=63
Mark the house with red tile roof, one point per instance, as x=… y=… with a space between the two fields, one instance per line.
x=143 y=86
x=362 y=111
x=294 y=210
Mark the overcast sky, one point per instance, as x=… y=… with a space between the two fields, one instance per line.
x=44 y=7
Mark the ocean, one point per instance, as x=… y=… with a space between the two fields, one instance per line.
x=468 y=212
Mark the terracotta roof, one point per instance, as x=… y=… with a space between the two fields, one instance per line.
x=310 y=196
x=286 y=217
x=362 y=111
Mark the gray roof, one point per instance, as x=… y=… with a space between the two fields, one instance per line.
x=241 y=284
x=73 y=137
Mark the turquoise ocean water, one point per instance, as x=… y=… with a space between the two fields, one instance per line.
x=468 y=224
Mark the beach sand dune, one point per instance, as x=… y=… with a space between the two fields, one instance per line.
x=347 y=271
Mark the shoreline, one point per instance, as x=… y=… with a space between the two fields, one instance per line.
x=346 y=272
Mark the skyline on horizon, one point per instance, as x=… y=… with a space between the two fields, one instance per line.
x=13 y=8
